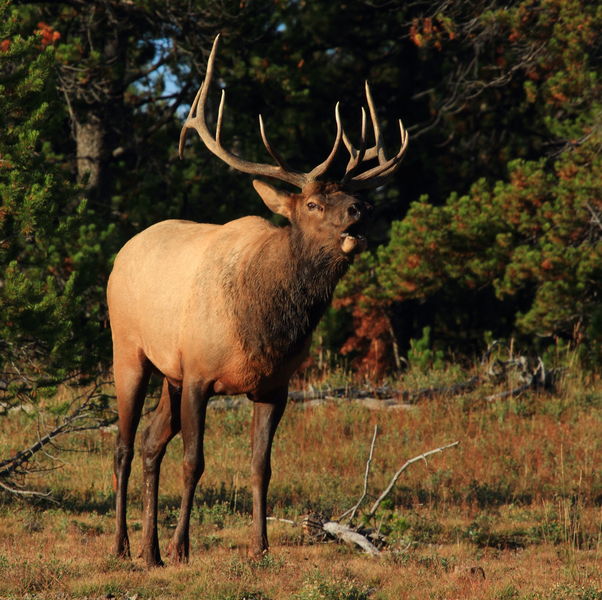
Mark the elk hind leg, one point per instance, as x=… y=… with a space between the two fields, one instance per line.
x=131 y=373
x=164 y=426
x=192 y=414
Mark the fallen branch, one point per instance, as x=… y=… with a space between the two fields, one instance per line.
x=351 y=512
x=455 y=389
x=279 y=520
x=395 y=477
x=534 y=378
x=85 y=415
x=320 y=528
x=382 y=393
x=516 y=369
x=23 y=492
x=11 y=465
x=385 y=392
x=507 y=393
x=350 y=536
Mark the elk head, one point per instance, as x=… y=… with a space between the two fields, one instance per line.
x=325 y=214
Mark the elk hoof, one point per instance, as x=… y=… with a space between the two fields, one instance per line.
x=122 y=548
x=151 y=557
x=257 y=553
x=178 y=552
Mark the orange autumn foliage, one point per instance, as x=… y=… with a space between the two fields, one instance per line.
x=48 y=34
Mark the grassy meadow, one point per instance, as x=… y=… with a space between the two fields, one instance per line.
x=513 y=513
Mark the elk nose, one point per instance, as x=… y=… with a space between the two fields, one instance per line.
x=354 y=211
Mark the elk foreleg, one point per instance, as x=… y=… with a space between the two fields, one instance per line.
x=131 y=379
x=192 y=413
x=163 y=427
x=266 y=416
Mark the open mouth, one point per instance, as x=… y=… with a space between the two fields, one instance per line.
x=353 y=239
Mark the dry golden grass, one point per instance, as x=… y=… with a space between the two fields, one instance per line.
x=519 y=498
x=62 y=560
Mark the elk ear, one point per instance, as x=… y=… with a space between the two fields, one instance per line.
x=276 y=200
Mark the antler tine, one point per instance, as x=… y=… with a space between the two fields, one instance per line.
x=390 y=164
x=273 y=153
x=355 y=155
x=380 y=174
x=378 y=140
x=220 y=115
x=196 y=121
x=350 y=147
x=385 y=166
x=396 y=161
x=191 y=114
x=323 y=167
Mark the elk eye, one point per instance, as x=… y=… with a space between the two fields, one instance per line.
x=312 y=206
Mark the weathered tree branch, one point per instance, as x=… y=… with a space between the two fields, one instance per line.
x=351 y=537
x=23 y=492
x=395 y=477
x=85 y=415
x=316 y=526
x=351 y=512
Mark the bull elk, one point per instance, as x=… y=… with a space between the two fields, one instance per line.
x=229 y=309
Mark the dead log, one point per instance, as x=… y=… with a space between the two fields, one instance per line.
x=350 y=536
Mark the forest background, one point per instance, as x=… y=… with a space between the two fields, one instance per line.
x=492 y=228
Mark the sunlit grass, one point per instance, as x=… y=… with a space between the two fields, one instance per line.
x=519 y=498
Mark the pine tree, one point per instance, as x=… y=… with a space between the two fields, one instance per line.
x=523 y=255
x=49 y=251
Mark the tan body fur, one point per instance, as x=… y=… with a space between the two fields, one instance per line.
x=166 y=299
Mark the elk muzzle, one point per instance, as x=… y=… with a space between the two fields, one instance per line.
x=353 y=240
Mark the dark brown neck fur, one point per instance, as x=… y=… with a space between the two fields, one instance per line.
x=278 y=299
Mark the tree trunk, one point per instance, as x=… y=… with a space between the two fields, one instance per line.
x=90 y=137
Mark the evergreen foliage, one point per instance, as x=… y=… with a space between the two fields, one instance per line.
x=521 y=256
x=50 y=294
x=496 y=213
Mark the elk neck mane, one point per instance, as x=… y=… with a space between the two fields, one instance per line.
x=278 y=297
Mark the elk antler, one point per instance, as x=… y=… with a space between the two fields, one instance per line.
x=196 y=120
x=381 y=173
x=374 y=177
